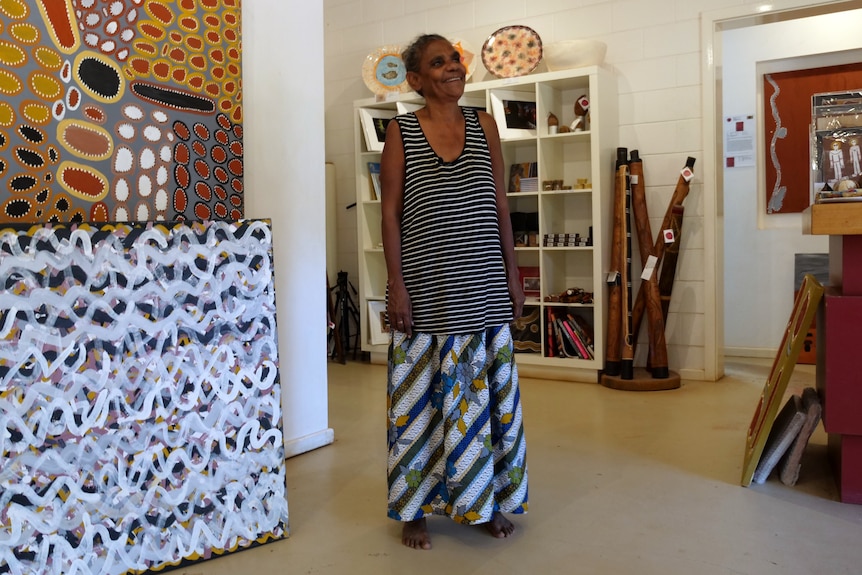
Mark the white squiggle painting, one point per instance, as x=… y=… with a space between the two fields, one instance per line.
x=140 y=402
x=776 y=199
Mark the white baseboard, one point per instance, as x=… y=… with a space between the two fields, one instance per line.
x=759 y=352
x=692 y=374
x=300 y=445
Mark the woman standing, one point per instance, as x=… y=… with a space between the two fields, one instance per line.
x=456 y=441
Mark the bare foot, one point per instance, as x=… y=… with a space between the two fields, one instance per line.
x=415 y=534
x=499 y=526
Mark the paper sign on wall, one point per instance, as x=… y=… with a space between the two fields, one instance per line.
x=739 y=138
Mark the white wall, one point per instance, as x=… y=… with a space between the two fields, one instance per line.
x=654 y=48
x=285 y=182
x=759 y=249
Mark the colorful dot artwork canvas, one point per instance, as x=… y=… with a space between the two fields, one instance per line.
x=140 y=400
x=120 y=110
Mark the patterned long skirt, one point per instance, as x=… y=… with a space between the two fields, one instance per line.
x=456 y=436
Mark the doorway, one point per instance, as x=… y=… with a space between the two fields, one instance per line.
x=716 y=26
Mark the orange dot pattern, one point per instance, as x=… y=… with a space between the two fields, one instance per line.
x=35 y=93
x=192 y=43
x=70 y=153
x=208 y=170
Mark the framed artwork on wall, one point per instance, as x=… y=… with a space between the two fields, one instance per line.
x=787 y=122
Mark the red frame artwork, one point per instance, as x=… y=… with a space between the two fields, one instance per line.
x=787 y=127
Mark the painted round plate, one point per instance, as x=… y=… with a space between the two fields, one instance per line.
x=512 y=51
x=468 y=55
x=383 y=71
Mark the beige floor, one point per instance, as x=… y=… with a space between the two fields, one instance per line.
x=620 y=483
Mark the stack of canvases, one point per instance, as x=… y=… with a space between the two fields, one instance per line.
x=140 y=410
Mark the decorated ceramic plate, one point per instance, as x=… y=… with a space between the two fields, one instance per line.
x=512 y=51
x=468 y=55
x=383 y=71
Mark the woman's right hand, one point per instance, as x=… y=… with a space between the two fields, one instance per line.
x=399 y=309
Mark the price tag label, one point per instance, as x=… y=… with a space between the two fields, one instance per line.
x=649 y=268
x=687 y=174
x=669 y=236
x=584 y=103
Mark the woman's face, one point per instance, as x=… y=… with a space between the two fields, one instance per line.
x=441 y=72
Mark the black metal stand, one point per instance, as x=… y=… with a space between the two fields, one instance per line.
x=346 y=315
x=333 y=341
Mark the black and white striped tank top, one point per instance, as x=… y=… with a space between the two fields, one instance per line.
x=452 y=261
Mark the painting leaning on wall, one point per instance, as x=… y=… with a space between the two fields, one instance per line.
x=120 y=110
x=140 y=404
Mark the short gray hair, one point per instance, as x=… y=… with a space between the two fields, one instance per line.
x=412 y=54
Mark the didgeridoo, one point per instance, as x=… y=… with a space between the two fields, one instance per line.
x=671 y=254
x=679 y=195
x=613 y=352
x=628 y=351
x=657 y=363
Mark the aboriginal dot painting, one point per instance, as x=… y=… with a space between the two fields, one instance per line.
x=120 y=110
x=140 y=401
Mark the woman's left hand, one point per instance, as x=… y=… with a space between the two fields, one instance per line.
x=516 y=292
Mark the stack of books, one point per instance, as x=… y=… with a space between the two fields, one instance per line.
x=529 y=184
x=374 y=175
x=569 y=335
x=525 y=172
